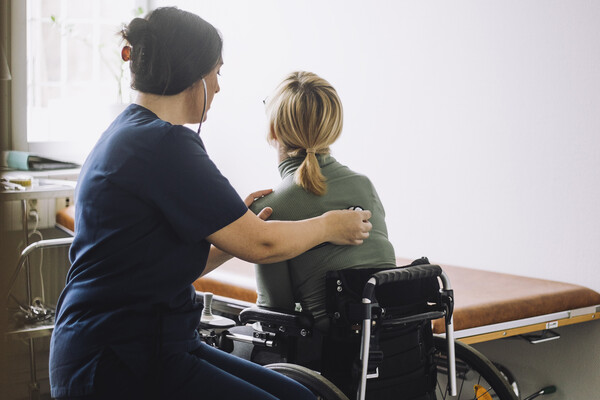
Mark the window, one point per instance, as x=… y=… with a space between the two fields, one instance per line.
x=74 y=66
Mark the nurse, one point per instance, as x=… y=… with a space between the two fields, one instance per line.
x=153 y=214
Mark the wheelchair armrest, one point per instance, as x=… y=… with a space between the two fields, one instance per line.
x=270 y=317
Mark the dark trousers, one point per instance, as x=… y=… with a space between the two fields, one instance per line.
x=206 y=373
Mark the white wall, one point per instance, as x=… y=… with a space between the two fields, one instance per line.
x=478 y=121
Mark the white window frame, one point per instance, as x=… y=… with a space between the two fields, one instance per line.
x=66 y=150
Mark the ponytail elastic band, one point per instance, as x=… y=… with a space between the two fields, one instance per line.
x=310 y=150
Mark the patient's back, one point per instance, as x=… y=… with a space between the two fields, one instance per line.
x=302 y=279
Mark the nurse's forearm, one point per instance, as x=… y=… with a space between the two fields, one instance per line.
x=216 y=257
x=281 y=240
x=265 y=242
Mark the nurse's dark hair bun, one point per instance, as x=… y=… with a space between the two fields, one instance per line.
x=171 y=49
x=135 y=32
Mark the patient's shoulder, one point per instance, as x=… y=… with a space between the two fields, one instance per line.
x=290 y=202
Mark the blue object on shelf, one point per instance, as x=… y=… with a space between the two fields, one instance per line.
x=25 y=161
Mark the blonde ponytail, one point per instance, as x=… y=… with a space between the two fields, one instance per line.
x=305 y=115
x=309 y=176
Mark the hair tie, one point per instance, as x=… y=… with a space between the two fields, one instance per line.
x=126 y=53
x=310 y=150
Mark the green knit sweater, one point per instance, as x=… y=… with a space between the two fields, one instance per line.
x=302 y=279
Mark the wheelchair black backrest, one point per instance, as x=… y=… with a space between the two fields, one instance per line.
x=344 y=290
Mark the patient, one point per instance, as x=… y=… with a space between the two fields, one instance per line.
x=305 y=119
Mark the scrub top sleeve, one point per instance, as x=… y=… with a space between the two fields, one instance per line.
x=190 y=191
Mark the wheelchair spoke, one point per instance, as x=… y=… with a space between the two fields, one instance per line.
x=443 y=394
x=479 y=378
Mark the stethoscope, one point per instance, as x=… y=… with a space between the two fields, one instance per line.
x=203 y=108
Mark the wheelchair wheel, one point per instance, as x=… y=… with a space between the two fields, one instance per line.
x=476 y=376
x=316 y=383
x=510 y=378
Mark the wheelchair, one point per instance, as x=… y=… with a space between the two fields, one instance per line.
x=378 y=345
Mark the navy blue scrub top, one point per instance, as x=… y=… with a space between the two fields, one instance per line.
x=148 y=195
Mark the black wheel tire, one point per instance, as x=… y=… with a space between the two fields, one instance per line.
x=509 y=377
x=482 y=365
x=313 y=381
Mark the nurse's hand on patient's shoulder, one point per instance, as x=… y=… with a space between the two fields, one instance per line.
x=348 y=226
x=266 y=212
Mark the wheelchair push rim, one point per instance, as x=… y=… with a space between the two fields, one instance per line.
x=312 y=380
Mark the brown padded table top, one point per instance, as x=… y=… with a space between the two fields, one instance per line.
x=66 y=218
x=485 y=298
x=481 y=297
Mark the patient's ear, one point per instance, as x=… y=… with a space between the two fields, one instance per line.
x=272 y=137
